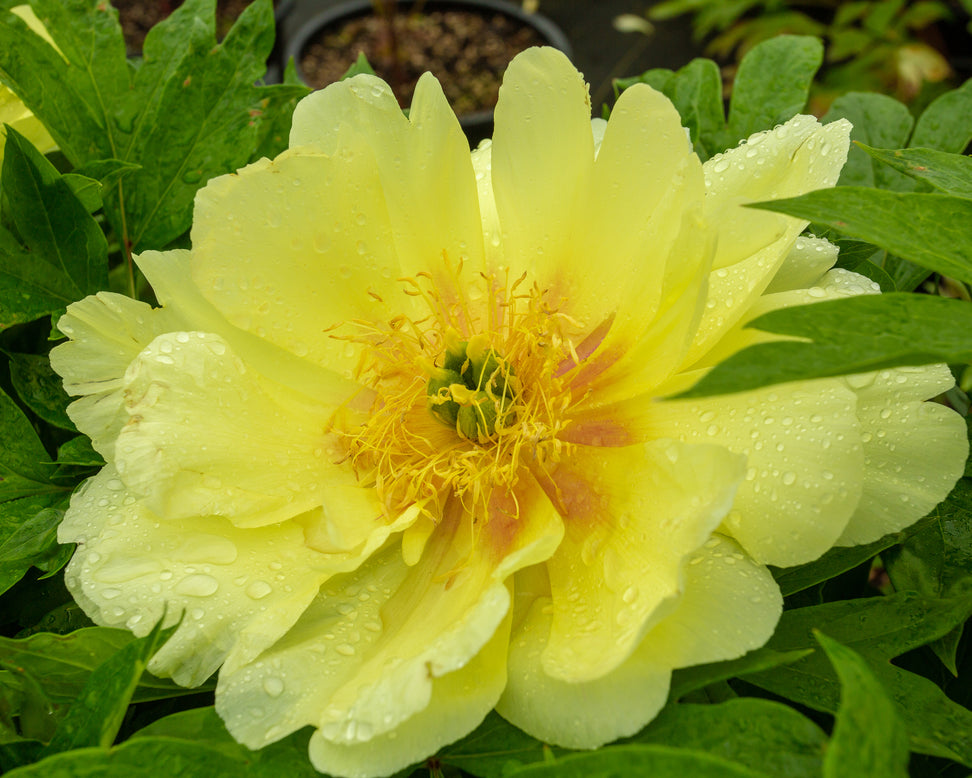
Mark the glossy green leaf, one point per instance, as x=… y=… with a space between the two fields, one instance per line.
x=927 y=229
x=879 y=628
x=188 y=110
x=869 y=737
x=945 y=124
x=948 y=173
x=64 y=256
x=40 y=388
x=655 y=761
x=63 y=663
x=936 y=560
x=95 y=717
x=878 y=121
x=33 y=543
x=23 y=459
x=79 y=451
x=762 y=735
x=772 y=84
x=850 y=335
x=689 y=679
x=192 y=744
x=495 y=748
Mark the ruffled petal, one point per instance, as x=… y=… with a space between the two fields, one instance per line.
x=802 y=443
x=914 y=451
x=362 y=659
x=803 y=267
x=583 y=714
x=633 y=515
x=206 y=436
x=237 y=590
x=423 y=162
x=291 y=249
x=107 y=331
x=787 y=161
x=730 y=606
x=459 y=701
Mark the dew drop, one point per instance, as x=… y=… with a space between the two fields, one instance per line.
x=258 y=590
x=273 y=687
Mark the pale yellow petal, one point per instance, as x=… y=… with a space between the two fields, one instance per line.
x=238 y=591
x=787 y=161
x=426 y=173
x=362 y=660
x=730 y=605
x=802 y=443
x=206 y=436
x=293 y=250
x=170 y=274
x=803 y=267
x=459 y=702
x=107 y=331
x=633 y=516
x=542 y=165
x=914 y=451
x=576 y=715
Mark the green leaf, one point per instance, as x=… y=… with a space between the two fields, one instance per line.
x=772 y=84
x=189 y=110
x=191 y=744
x=65 y=253
x=62 y=664
x=879 y=628
x=495 y=748
x=869 y=738
x=23 y=459
x=936 y=560
x=949 y=173
x=656 y=760
x=361 y=65
x=927 y=229
x=40 y=388
x=880 y=122
x=87 y=190
x=850 y=335
x=28 y=536
x=837 y=560
x=79 y=451
x=759 y=734
x=96 y=715
x=689 y=679
x=945 y=123
x=696 y=92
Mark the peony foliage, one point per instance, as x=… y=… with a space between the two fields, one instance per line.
x=329 y=449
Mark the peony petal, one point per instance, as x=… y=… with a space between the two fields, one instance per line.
x=426 y=173
x=362 y=659
x=542 y=165
x=237 y=590
x=250 y=451
x=914 y=451
x=107 y=331
x=730 y=606
x=459 y=702
x=787 y=161
x=170 y=274
x=293 y=248
x=803 y=267
x=803 y=451
x=633 y=515
x=576 y=715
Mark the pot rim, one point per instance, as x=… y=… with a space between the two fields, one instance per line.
x=553 y=35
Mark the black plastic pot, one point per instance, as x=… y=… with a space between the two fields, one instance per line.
x=477 y=125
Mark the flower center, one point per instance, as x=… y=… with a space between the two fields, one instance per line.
x=473 y=391
x=466 y=395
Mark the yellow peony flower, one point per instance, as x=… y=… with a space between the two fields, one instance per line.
x=397 y=444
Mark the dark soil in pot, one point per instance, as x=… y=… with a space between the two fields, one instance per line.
x=467 y=49
x=137 y=17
